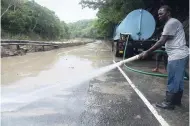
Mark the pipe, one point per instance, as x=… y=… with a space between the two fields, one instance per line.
x=147 y=73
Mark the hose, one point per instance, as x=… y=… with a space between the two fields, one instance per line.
x=143 y=72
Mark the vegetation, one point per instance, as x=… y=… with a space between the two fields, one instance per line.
x=29 y=19
x=83 y=29
x=111 y=12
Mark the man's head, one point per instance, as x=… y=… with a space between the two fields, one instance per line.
x=164 y=13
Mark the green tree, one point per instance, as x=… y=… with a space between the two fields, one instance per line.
x=83 y=28
x=31 y=18
x=111 y=13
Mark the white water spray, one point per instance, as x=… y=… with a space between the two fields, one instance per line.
x=24 y=99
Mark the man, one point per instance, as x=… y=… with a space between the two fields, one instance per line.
x=173 y=37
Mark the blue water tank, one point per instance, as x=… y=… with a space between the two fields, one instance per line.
x=139 y=23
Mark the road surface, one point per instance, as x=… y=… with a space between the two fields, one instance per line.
x=53 y=89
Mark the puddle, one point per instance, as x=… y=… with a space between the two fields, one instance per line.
x=65 y=73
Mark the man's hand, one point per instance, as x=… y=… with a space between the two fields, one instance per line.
x=143 y=55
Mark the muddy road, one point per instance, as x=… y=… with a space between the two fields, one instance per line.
x=52 y=89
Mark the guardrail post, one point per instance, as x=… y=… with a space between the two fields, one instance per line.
x=43 y=48
x=17 y=47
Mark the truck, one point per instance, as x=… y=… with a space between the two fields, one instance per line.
x=135 y=32
x=133 y=47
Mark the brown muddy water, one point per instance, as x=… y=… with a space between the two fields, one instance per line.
x=38 y=75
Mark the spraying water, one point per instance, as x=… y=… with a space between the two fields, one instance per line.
x=24 y=99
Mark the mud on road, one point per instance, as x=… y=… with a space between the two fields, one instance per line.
x=42 y=88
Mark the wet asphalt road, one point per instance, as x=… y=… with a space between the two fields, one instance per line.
x=44 y=89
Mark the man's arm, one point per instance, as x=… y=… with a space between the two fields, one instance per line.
x=169 y=32
x=163 y=39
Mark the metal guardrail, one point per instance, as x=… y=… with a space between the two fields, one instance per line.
x=28 y=42
x=40 y=43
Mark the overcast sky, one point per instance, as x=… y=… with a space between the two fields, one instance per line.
x=68 y=10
